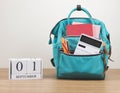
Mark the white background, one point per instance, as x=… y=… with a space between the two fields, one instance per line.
x=25 y=26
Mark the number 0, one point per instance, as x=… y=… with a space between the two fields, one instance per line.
x=19 y=66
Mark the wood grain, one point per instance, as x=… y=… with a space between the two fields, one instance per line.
x=49 y=84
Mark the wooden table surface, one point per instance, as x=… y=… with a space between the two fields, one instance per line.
x=49 y=84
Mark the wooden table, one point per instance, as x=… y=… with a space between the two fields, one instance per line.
x=49 y=84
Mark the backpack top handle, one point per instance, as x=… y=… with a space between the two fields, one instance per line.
x=79 y=8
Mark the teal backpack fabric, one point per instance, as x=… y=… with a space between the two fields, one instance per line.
x=69 y=66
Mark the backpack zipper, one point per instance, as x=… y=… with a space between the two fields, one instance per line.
x=101 y=52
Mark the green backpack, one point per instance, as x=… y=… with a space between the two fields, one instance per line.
x=70 y=66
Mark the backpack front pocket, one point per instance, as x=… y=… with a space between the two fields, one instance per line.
x=81 y=66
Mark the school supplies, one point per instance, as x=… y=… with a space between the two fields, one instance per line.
x=65 y=46
x=88 y=45
x=78 y=29
x=95 y=29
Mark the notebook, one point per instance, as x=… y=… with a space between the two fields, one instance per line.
x=78 y=29
x=95 y=29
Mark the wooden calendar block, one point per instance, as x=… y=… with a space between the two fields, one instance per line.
x=34 y=65
x=18 y=66
x=25 y=69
